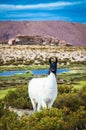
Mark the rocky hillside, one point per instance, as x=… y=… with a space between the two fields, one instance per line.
x=72 y=33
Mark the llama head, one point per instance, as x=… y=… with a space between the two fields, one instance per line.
x=53 y=66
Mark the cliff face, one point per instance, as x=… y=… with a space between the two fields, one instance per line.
x=72 y=33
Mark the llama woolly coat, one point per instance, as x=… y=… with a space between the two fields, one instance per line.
x=43 y=91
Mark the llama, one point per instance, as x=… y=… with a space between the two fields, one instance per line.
x=43 y=91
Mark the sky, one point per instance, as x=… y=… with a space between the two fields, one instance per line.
x=43 y=10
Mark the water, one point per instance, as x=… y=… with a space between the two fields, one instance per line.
x=34 y=72
x=42 y=72
x=11 y=73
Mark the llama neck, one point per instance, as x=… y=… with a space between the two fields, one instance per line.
x=51 y=72
x=51 y=81
x=52 y=76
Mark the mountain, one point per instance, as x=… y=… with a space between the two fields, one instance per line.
x=72 y=33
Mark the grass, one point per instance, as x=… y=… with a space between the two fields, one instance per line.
x=22 y=67
x=76 y=77
x=16 y=80
x=4 y=92
x=80 y=85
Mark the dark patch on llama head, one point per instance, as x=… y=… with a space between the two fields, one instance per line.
x=53 y=66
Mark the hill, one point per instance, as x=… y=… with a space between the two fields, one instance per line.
x=72 y=33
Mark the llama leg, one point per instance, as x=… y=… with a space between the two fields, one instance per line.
x=50 y=104
x=34 y=104
x=44 y=105
x=39 y=107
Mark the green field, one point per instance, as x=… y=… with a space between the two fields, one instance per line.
x=75 y=78
x=4 y=92
x=80 y=85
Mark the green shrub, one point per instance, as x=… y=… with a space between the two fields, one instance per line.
x=48 y=119
x=55 y=119
x=82 y=96
x=77 y=120
x=18 y=98
x=64 y=88
x=70 y=100
x=1 y=108
x=10 y=121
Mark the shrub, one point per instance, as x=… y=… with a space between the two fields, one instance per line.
x=77 y=120
x=64 y=88
x=82 y=96
x=10 y=121
x=71 y=101
x=48 y=119
x=55 y=119
x=18 y=98
x=1 y=108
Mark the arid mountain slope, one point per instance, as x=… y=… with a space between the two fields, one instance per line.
x=74 y=33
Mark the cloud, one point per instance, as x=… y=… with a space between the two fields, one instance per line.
x=37 y=6
x=44 y=11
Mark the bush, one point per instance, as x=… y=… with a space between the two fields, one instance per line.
x=1 y=108
x=77 y=120
x=69 y=114
x=70 y=100
x=82 y=96
x=10 y=121
x=55 y=119
x=64 y=88
x=18 y=98
x=48 y=119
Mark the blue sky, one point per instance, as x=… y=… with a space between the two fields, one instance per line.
x=38 y=10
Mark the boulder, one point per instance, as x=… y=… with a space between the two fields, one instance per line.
x=11 y=41
x=62 y=43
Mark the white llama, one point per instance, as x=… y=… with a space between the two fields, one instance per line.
x=43 y=91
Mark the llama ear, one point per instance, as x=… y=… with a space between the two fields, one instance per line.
x=49 y=60
x=56 y=60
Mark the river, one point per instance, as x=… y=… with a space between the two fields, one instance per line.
x=34 y=72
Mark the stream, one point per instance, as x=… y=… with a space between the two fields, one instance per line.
x=34 y=72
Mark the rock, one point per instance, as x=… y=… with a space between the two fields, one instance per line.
x=11 y=41
x=61 y=81
x=21 y=112
x=36 y=39
x=62 y=43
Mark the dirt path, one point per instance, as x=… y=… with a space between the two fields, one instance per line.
x=21 y=112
